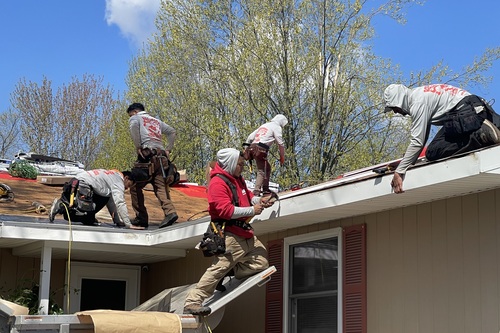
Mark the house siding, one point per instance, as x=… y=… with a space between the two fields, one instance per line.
x=435 y=267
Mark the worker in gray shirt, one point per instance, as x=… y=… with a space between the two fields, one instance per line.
x=468 y=122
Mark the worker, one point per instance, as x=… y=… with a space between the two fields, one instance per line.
x=259 y=142
x=146 y=132
x=245 y=255
x=468 y=122
x=89 y=191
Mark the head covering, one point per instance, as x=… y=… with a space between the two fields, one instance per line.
x=395 y=95
x=228 y=159
x=280 y=120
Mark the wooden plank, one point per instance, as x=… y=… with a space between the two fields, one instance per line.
x=53 y=180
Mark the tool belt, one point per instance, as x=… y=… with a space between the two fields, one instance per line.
x=155 y=161
x=237 y=223
x=149 y=153
x=258 y=151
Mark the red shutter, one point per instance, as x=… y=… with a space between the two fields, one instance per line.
x=274 y=288
x=354 y=279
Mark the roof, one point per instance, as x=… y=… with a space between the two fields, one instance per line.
x=357 y=194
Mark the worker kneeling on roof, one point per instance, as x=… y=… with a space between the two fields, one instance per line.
x=468 y=121
x=89 y=191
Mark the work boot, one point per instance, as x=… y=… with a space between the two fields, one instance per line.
x=489 y=133
x=139 y=222
x=169 y=220
x=197 y=310
x=54 y=209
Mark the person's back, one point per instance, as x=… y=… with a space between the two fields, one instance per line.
x=259 y=142
x=146 y=132
x=103 y=181
x=467 y=122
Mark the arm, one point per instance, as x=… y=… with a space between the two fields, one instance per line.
x=278 y=136
x=419 y=132
x=251 y=137
x=135 y=130
x=171 y=134
x=116 y=205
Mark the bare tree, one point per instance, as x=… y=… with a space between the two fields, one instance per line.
x=72 y=123
x=10 y=141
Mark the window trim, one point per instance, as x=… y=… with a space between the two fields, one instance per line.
x=131 y=274
x=287 y=242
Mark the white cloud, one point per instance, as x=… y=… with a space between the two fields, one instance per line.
x=134 y=18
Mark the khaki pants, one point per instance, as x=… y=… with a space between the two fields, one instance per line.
x=245 y=256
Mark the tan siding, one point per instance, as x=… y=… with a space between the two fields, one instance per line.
x=455 y=278
x=497 y=234
x=472 y=287
x=409 y=292
x=439 y=266
x=488 y=262
x=8 y=266
x=382 y=276
x=435 y=267
x=424 y=262
x=396 y=270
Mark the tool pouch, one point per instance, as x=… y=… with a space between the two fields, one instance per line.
x=173 y=177
x=212 y=243
x=258 y=152
x=147 y=167
x=83 y=198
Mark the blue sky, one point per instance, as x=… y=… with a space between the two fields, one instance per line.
x=62 y=39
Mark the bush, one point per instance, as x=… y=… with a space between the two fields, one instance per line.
x=28 y=297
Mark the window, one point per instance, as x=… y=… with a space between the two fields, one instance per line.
x=311 y=285
x=103 y=286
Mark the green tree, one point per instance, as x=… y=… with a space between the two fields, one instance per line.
x=216 y=70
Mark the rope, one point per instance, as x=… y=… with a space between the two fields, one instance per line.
x=205 y=323
x=36 y=207
x=69 y=260
x=204 y=211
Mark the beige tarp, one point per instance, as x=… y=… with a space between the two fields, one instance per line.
x=110 y=321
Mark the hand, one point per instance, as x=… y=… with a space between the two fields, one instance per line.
x=258 y=208
x=397 y=182
x=139 y=152
x=282 y=160
x=265 y=202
